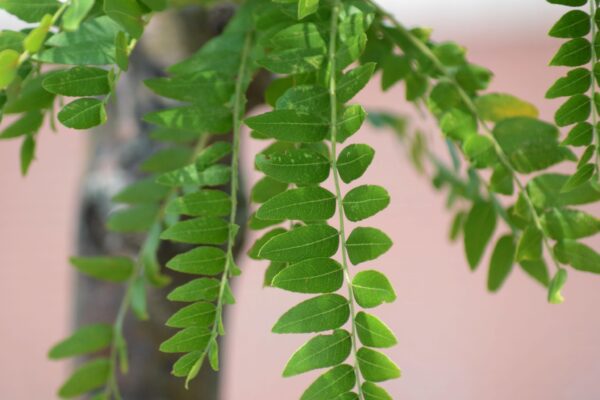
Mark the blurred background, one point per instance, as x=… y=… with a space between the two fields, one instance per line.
x=456 y=341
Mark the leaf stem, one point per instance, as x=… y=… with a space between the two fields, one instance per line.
x=336 y=179
x=594 y=61
x=425 y=51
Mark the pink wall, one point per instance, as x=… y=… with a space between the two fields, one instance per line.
x=456 y=341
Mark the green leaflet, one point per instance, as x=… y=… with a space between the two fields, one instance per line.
x=307 y=7
x=575 y=109
x=254 y=251
x=87 y=339
x=303 y=35
x=365 y=201
x=83 y=113
x=315 y=275
x=530 y=244
x=366 y=244
x=306 y=204
x=194 y=87
x=307 y=99
x=27 y=153
x=138 y=218
x=35 y=39
x=478 y=229
x=76 y=13
x=199 y=261
x=319 y=352
x=29 y=123
x=112 y=269
x=32 y=96
x=354 y=160
x=573 y=53
x=546 y=192
x=480 y=151
x=30 y=10
x=203 y=230
x=580 y=177
x=321 y=313
x=89 y=376
x=577 y=81
x=78 y=81
x=128 y=13
x=289 y=125
x=501 y=262
x=207 y=203
x=196 y=290
x=556 y=285
x=122 y=51
x=201 y=314
x=573 y=24
x=374 y=392
x=143 y=191
x=580 y=135
x=353 y=81
x=570 y=3
x=372 y=332
x=395 y=68
x=375 y=366
x=193 y=118
x=496 y=107
x=372 y=288
x=294 y=166
x=301 y=243
x=331 y=384
x=569 y=224
x=530 y=144
x=187 y=340
x=578 y=255
x=293 y=61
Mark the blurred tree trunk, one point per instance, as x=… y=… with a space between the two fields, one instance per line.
x=116 y=151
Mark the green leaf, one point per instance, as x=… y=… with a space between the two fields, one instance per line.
x=580 y=135
x=87 y=339
x=331 y=384
x=321 y=313
x=576 y=109
x=255 y=249
x=203 y=230
x=478 y=230
x=293 y=61
x=303 y=35
x=530 y=144
x=372 y=288
x=372 y=332
x=352 y=82
x=545 y=192
x=91 y=375
x=289 y=125
x=366 y=244
x=320 y=352
x=190 y=339
x=373 y=392
x=112 y=269
x=78 y=81
x=530 y=244
x=573 y=53
x=139 y=301
x=573 y=24
x=28 y=124
x=577 y=81
x=395 y=68
x=307 y=7
x=375 y=366
x=294 y=166
x=300 y=243
x=350 y=122
x=128 y=14
x=199 y=261
x=556 y=285
x=305 y=99
x=138 y=218
x=498 y=106
x=480 y=151
x=501 y=262
x=315 y=275
x=206 y=203
x=76 y=13
x=196 y=290
x=569 y=224
x=144 y=191
x=83 y=113
x=365 y=201
x=583 y=175
x=11 y=40
x=570 y=3
x=201 y=314
x=35 y=39
x=185 y=363
x=122 y=51
x=536 y=269
x=30 y=10
x=193 y=118
x=272 y=270
x=186 y=87
x=9 y=65
x=353 y=161
x=27 y=153
x=306 y=204
x=586 y=156
x=578 y=255
x=167 y=159
x=215 y=175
